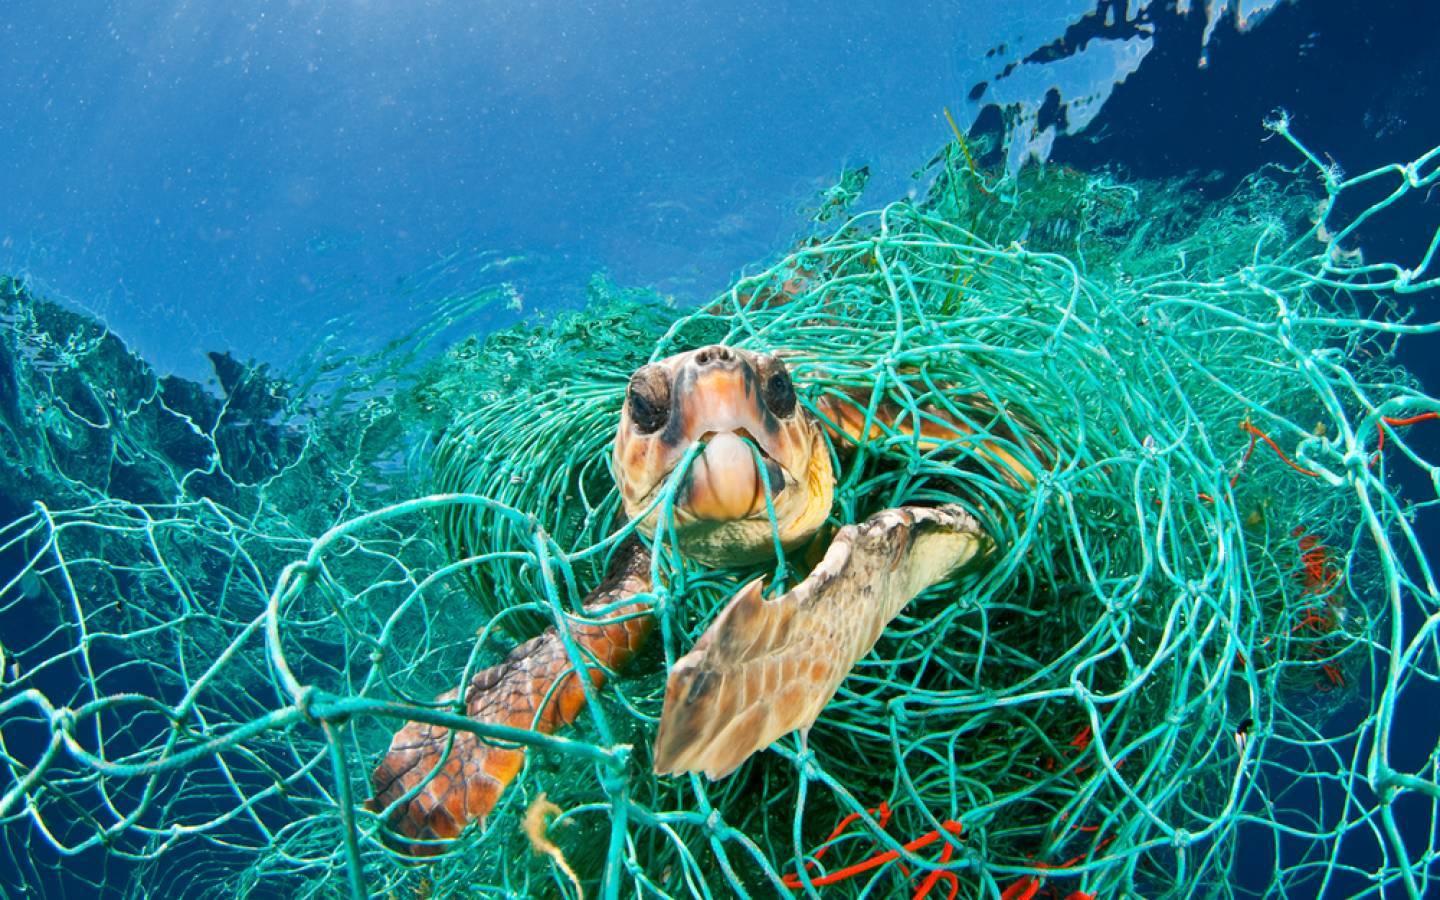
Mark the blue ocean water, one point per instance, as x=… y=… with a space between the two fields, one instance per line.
x=234 y=178
x=260 y=177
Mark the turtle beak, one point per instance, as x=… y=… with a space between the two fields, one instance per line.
x=719 y=401
x=724 y=483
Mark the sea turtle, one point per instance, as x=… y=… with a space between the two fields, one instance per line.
x=763 y=668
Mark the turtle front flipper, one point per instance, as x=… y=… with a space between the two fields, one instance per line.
x=534 y=687
x=766 y=668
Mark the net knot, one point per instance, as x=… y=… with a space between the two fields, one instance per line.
x=1386 y=786
x=1356 y=461
x=899 y=713
x=810 y=768
x=1180 y=839
x=1044 y=483
x=304 y=700
x=714 y=822
x=62 y=719
x=612 y=777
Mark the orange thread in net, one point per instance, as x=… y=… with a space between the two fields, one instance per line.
x=1334 y=675
x=1396 y=422
x=1318 y=569
x=882 y=813
x=1257 y=434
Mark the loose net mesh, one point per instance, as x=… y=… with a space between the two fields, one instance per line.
x=1204 y=645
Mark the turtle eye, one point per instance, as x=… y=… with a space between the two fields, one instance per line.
x=648 y=398
x=777 y=390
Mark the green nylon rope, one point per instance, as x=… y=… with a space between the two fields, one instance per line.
x=1191 y=653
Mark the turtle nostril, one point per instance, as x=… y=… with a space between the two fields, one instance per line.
x=713 y=354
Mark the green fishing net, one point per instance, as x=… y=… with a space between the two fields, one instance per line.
x=1197 y=645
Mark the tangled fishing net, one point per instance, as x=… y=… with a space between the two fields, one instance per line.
x=1194 y=653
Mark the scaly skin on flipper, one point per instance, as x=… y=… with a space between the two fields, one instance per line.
x=509 y=693
x=766 y=668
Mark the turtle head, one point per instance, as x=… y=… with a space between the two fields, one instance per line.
x=728 y=400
